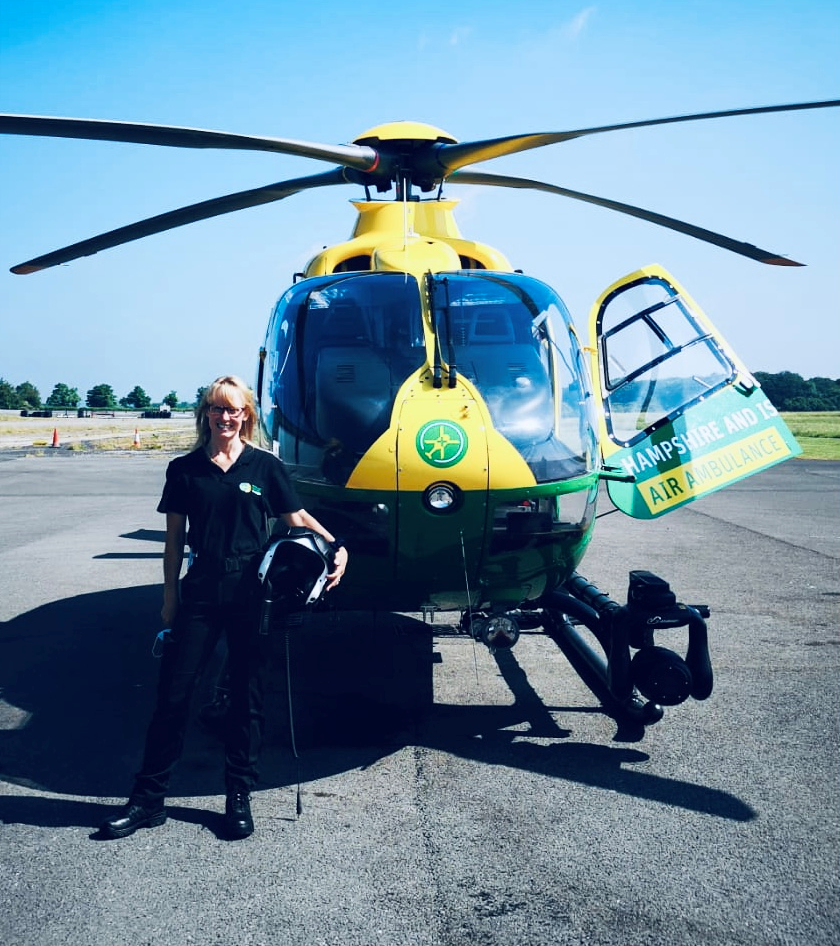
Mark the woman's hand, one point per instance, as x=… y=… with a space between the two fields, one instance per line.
x=340 y=565
x=301 y=518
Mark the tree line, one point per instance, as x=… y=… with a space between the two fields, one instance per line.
x=787 y=391
x=26 y=396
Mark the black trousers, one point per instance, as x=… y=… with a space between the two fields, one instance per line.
x=196 y=631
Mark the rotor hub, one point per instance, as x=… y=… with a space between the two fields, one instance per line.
x=404 y=132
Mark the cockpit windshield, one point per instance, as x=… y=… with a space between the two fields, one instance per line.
x=338 y=350
x=511 y=336
x=340 y=347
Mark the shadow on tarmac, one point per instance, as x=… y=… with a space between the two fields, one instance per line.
x=77 y=678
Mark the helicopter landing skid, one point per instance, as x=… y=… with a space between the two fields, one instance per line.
x=633 y=689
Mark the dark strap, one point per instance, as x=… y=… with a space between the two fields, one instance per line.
x=235 y=564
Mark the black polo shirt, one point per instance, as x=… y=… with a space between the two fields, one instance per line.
x=228 y=511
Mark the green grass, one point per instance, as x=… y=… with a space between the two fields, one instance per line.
x=818 y=433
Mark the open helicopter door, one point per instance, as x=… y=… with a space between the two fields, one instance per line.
x=682 y=416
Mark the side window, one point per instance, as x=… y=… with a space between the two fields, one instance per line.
x=656 y=357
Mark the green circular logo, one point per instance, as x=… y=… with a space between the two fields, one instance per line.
x=441 y=443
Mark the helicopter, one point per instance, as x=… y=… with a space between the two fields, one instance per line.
x=438 y=410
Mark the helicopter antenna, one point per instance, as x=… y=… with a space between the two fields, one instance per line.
x=298 y=803
x=469 y=605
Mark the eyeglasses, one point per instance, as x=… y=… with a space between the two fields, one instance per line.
x=220 y=409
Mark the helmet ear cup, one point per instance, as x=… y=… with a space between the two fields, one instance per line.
x=661 y=676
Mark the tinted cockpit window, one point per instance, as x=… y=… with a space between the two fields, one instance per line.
x=510 y=335
x=339 y=350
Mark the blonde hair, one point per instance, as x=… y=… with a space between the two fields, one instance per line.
x=227 y=390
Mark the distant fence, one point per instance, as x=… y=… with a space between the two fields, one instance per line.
x=94 y=412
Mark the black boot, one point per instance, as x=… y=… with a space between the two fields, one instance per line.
x=238 y=821
x=131 y=817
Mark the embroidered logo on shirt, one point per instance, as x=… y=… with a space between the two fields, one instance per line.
x=250 y=488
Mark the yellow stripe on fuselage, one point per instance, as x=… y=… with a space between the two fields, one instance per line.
x=394 y=461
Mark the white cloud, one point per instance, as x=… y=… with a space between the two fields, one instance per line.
x=577 y=24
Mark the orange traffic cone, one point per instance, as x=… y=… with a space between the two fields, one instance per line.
x=136 y=438
x=55 y=442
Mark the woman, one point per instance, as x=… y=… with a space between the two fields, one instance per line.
x=225 y=491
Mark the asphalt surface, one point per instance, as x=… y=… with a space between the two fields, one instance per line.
x=449 y=797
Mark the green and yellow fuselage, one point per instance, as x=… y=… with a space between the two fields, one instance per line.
x=433 y=408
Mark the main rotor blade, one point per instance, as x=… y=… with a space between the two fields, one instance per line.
x=360 y=157
x=452 y=157
x=178 y=218
x=708 y=236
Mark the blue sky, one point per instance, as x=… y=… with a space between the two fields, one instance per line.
x=175 y=310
